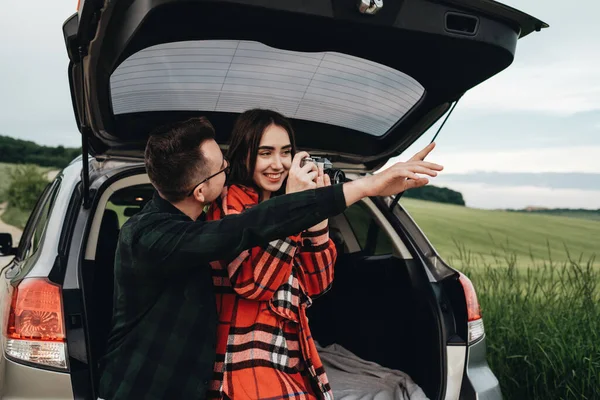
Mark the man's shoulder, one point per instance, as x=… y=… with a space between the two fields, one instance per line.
x=148 y=211
x=149 y=216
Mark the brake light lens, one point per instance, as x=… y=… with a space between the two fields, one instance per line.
x=35 y=330
x=476 y=329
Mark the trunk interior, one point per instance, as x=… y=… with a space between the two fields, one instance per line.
x=377 y=307
x=374 y=311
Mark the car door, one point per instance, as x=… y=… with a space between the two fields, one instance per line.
x=24 y=260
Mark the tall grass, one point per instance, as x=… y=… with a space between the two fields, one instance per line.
x=542 y=323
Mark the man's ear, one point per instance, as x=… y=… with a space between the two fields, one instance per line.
x=199 y=194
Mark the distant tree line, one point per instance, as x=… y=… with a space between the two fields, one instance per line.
x=437 y=194
x=17 y=151
x=582 y=213
x=556 y=210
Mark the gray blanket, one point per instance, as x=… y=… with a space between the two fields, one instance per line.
x=352 y=378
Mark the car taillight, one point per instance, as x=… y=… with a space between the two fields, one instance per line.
x=35 y=330
x=476 y=329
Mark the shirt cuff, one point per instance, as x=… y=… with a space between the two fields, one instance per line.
x=316 y=238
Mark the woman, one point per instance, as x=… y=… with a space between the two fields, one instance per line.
x=264 y=345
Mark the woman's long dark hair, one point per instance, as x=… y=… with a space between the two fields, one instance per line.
x=247 y=133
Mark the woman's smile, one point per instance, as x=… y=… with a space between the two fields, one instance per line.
x=274 y=177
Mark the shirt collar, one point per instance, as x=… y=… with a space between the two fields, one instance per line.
x=165 y=205
x=168 y=207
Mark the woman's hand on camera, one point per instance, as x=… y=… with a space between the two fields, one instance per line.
x=301 y=178
x=322 y=180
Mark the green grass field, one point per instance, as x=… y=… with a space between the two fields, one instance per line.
x=489 y=235
x=541 y=309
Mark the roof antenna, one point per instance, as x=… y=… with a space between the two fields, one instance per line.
x=399 y=195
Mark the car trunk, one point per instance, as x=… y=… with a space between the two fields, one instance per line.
x=358 y=89
x=381 y=306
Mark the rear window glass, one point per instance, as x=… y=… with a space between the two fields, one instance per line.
x=234 y=76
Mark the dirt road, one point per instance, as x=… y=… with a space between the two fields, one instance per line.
x=15 y=232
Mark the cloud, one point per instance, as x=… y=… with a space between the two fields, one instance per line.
x=555 y=71
x=35 y=102
x=562 y=87
x=531 y=160
x=467 y=131
x=557 y=159
x=552 y=180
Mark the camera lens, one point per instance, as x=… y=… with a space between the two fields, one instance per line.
x=336 y=175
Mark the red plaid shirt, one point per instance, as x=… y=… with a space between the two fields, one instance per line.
x=264 y=346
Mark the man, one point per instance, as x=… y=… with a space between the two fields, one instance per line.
x=162 y=342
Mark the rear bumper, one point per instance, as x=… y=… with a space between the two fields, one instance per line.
x=22 y=382
x=479 y=382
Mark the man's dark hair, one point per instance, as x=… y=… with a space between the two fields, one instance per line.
x=173 y=158
x=246 y=135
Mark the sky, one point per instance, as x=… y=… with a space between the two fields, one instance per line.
x=502 y=147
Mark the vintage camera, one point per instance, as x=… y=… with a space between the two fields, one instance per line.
x=336 y=175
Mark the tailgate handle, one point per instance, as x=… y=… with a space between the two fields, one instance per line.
x=463 y=24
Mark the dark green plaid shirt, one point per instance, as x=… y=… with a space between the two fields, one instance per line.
x=162 y=342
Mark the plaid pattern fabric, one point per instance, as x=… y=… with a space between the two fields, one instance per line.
x=162 y=340
x=264 y=345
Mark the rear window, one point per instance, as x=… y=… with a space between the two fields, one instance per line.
x=234 y=76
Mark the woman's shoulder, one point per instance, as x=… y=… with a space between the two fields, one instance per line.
x=241 y=190
x=241 y=197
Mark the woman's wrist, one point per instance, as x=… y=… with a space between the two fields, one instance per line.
x=319 y=227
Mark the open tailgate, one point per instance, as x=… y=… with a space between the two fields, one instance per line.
x=358 y=87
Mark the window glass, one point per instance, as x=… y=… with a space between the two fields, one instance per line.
x=236 y=75
x=38 y=221
x=372 y=239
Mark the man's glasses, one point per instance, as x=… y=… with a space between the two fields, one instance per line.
x=226 y=170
